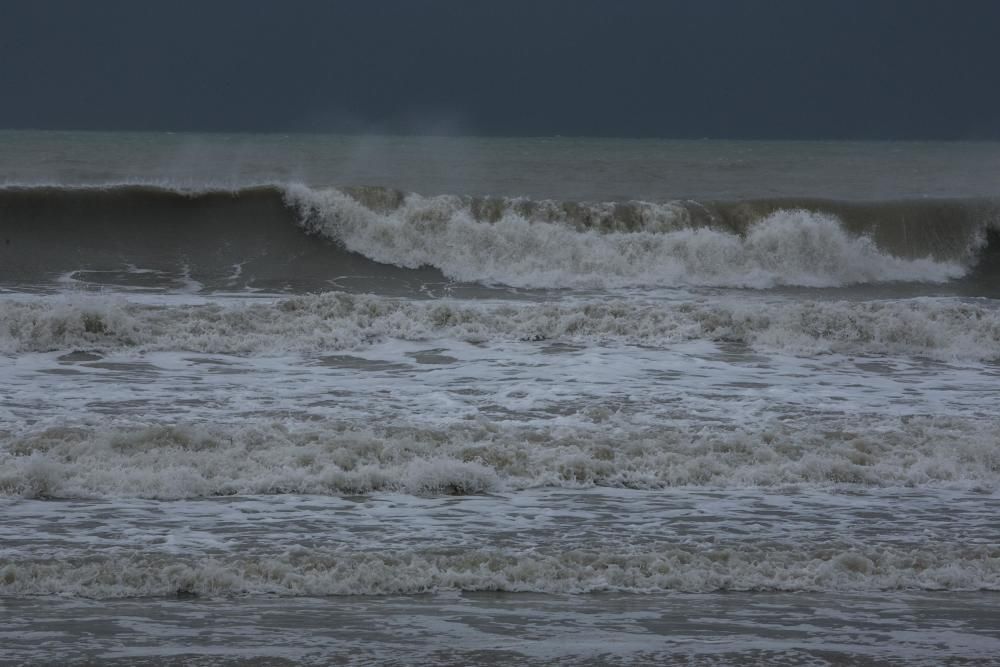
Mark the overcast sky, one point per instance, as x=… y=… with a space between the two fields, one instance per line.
x=694 y=68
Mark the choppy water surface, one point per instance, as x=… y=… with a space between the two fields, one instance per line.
x=578 y=401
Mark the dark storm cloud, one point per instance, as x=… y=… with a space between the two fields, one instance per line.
x=717 y=68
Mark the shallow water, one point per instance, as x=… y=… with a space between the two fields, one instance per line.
x=503 y=628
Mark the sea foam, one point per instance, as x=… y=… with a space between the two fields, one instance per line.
x=259 y=456
x=692 y=568
x=937 y=328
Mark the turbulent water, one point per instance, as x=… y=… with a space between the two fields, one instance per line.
x=601 y=401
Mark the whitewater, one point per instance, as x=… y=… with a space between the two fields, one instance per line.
x=481 y=400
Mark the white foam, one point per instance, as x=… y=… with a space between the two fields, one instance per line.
x=166 y=461
x=667 y=567
x=938 y=328
x=788 y=247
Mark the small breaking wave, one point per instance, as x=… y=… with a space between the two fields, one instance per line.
x=172 y=461
x=315 y=324
x=692 y=568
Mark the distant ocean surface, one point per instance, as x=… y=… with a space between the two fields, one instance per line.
x=305 y=399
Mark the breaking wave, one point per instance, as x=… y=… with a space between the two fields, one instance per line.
x=258 y=457
x=320 y=323
x=600 y=246
x=667 y=567
x=496 y=241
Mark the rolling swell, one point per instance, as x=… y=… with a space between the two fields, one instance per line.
x=253 y=237
x=140 y=235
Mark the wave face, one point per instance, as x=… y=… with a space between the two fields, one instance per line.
x=254 y=236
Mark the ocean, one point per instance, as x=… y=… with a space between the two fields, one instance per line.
x=309 y=399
